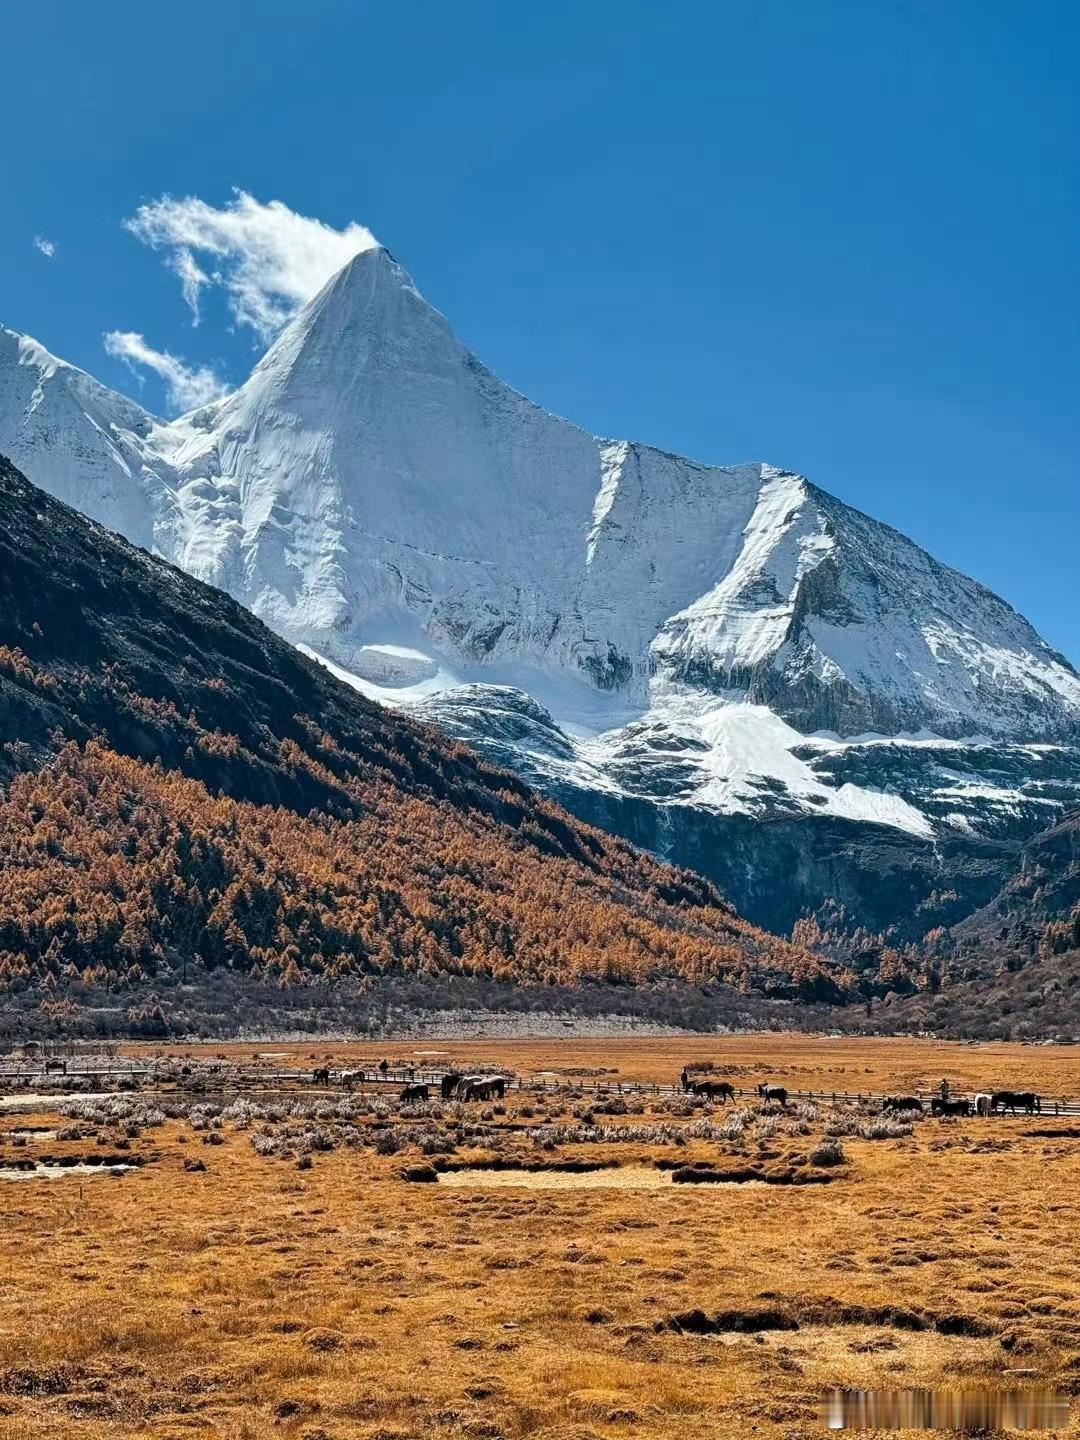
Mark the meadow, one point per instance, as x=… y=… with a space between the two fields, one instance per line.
x=320 y=1264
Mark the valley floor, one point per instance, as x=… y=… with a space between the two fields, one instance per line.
x=268 y=1269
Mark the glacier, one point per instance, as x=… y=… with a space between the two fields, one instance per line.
x=726 y=663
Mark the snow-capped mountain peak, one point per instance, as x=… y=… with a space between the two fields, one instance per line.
x=690 y=632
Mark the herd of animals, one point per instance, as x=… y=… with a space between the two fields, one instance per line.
x=986 y=1103
x=458 y=1086
x=451 y=1087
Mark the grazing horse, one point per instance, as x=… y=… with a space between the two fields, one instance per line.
x=710 y=1089
x=321 y=1076
x=983 y=1104
x=482 y=1087
x=903 y=1102
x=939 y=1106
x=350 y=1077
x=773 y=1092
x=55 y=1067
x=412 y=1093
x=1013 y=1100
x=449 y=1083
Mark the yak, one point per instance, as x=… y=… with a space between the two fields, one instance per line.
x=941 y=1106
x=773 y=1092
x=482 y=1087
x=709 y=1089
x=1014 y=1100
x=903 y=1102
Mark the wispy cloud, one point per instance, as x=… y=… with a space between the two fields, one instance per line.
x=269 y=260
x=192 y=279
x=47 y=247
x=186 y=386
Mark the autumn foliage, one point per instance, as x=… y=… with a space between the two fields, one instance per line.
x=111 y=869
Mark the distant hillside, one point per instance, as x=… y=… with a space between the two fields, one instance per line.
x=184 y=798
x=1013 y=968
x=1037 y=911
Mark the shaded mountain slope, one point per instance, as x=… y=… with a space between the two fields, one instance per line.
x=1011 y=969
x=184 y=794
x=1037 y=910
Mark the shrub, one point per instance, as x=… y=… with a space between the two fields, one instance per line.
x=828 y=1152
x=884 y=1127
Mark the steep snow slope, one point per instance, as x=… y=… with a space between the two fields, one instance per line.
x=95 y=446
x=619 y=623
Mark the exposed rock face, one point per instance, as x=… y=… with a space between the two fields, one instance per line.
x=976 y=801
x=633 y=630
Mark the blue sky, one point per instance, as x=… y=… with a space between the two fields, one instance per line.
x=842 y=237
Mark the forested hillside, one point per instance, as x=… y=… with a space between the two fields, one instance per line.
x=1037 y=911
x=1019 y=957
x=1010 y=971
x=185 y=795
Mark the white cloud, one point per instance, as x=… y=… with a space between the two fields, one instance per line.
x=269 y=260
x=47 y=247
x=186 y=387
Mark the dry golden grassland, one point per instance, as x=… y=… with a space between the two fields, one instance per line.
x=316 y=1294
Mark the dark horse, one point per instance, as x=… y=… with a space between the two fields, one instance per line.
x=710 y=1089
x=321 y=1076
x=412 y=1093
x=449 y=1083
x=773 y=1092
x=1013 y=1100
x=903 y=1102
x=940 y=1106
x=483 y=1087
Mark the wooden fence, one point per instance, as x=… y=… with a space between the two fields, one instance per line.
x=258 y=1077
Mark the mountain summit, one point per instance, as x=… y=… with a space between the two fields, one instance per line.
x=667 y=646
